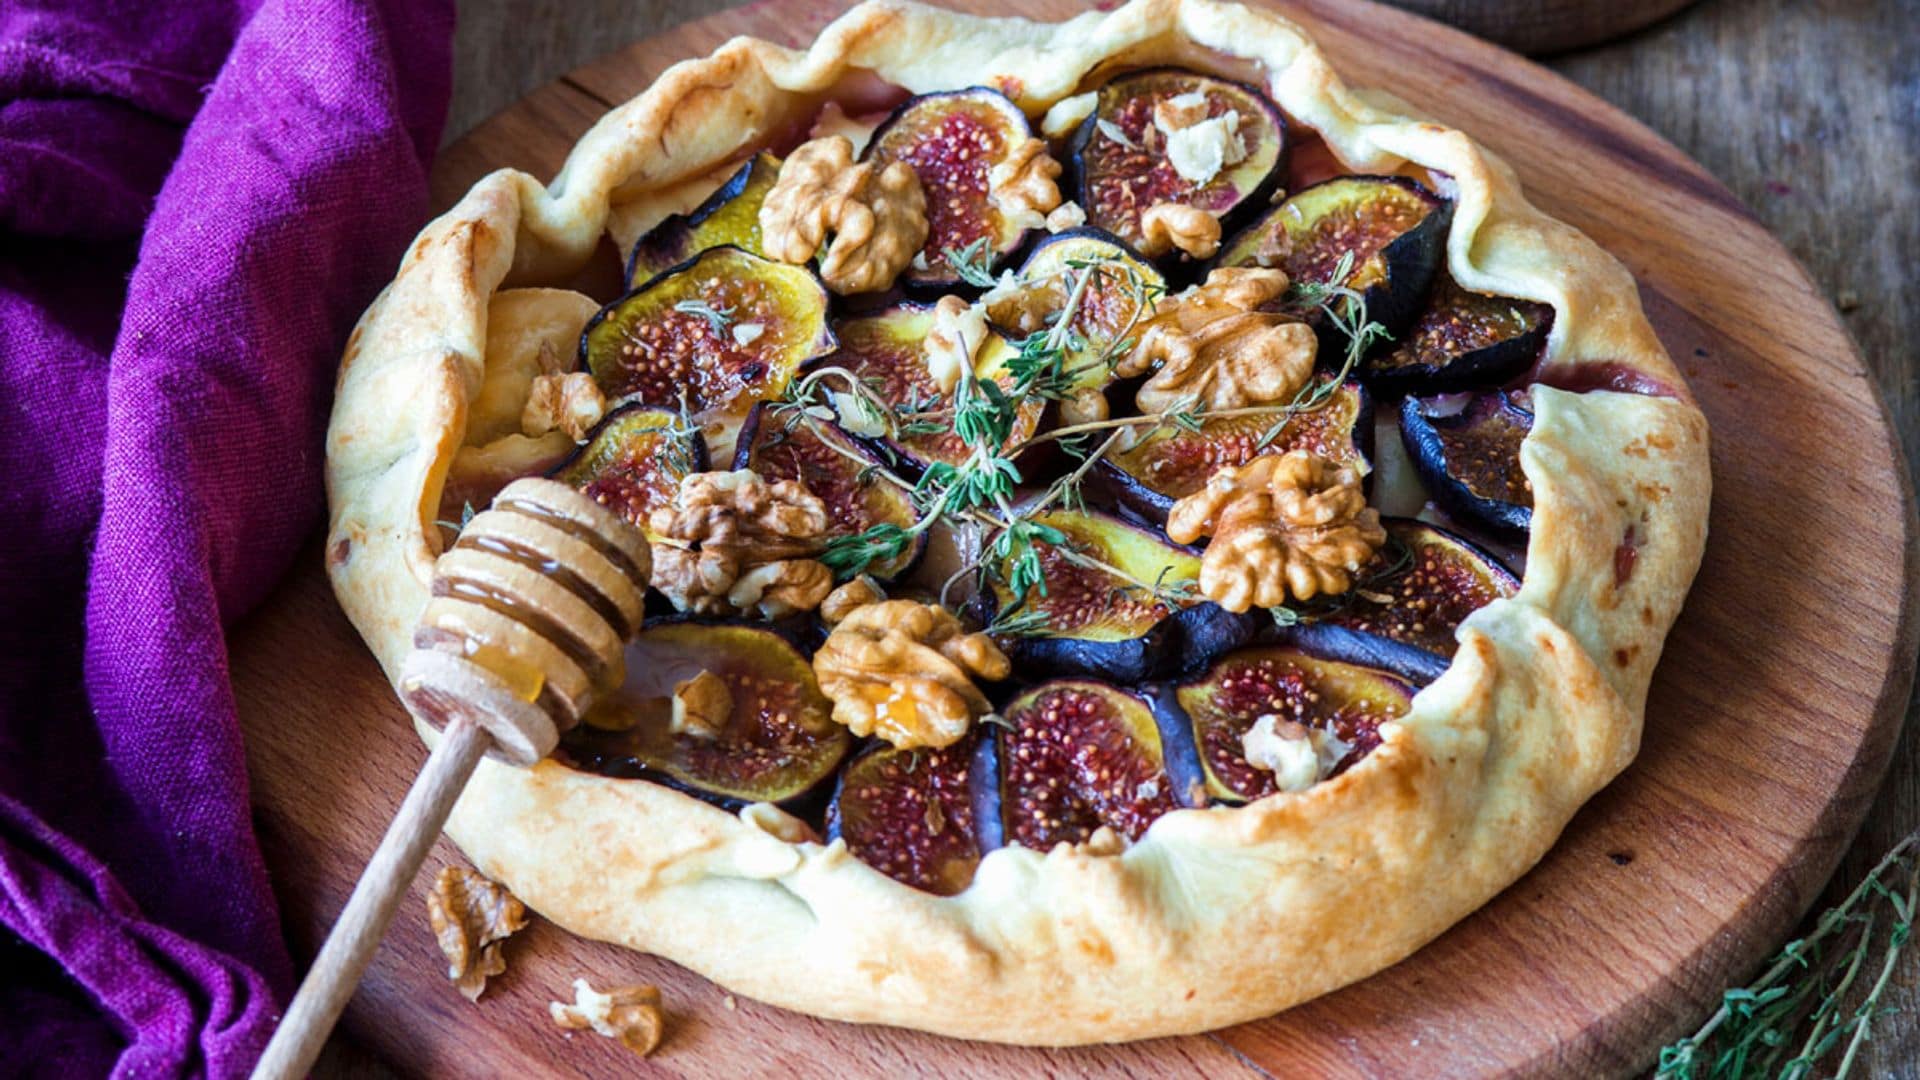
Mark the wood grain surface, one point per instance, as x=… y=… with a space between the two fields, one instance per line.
x=1768 y=724
x=1545 y=26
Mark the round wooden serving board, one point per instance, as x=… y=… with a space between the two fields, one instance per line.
x=1769 y=723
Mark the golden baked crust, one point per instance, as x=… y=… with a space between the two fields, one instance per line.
x=1215 y=916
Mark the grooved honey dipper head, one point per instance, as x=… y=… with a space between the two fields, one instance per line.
x=530 y=610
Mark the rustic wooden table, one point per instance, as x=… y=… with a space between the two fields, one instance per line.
x=1809 y=110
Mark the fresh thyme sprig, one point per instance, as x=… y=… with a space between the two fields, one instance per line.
x=1795 y=1015
x=718 y=318
x=978 y=490
x=973 y=263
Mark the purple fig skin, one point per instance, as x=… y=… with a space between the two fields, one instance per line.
x=1180 y=640
x=1362 y=633
x=1078 y=176
x=573 y=470
x=1456 y=323
x=1179 y=753
x=1362 y=732
x=1060 y=807
x=943 y=875
x=743 y=455
x=1348 y=646
x=1412 y=258
x=623 y=756
x=1426 y=438
x=1138 y=502
x=676 y=240
x=989 y=830
x=884 y=144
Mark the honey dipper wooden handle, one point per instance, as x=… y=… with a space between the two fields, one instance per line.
x=350 y=945
x=527 y=615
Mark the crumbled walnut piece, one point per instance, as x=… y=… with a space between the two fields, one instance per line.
x=1068 y=215
x=1168 y=225
x=904 y=671
x=631 y=1014
x=878 y=220
x=780 y=589
x=1213 y=342
x=1283 y=524
x=857 y=593
x=471 y=918
x=1297 y=756
x=1022 y=186
x=951 y=343
x=701 y=706
x=571 y=403
x=730 y=542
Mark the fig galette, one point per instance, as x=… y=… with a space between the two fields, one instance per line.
x=1142 y=534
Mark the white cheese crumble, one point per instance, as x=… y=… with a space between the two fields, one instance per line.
x=747 y=333
x=1297 y=756
x=958 y=330
x=1199 y=151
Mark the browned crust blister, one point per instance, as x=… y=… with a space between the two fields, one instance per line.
x=1215 y=916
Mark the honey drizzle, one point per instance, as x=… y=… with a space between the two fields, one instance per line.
x=578 y=531
x=509 y=606
x=515 y=552
x=458 y=643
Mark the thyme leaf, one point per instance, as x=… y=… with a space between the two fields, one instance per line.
x=718 y=318
x=973 y=263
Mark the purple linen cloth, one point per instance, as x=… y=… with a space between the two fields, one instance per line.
x=197 y=198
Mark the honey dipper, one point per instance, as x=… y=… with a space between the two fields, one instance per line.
x=531 y=609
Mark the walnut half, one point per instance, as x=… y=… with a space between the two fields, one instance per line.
x=1213 y=343
x=1283 y=524
x=904 y=671
x=1023 y=187
x=1168 y=225
x=877 y=219
x=730 y=542
x=471 y=918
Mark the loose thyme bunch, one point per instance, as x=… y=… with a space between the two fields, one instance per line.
x=1796 y=1015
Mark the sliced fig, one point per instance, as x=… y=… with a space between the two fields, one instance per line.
x=1079 y=754
x=1388 y=231
x=1407 y=602
x=1462 y=340
x=634 y=459
x=839 y=469
x=776 y=743
x=1468 y=455
x=1343 y=700
x=731 y=215
x=1173 y=462
x=1125 y=161
x=1087 y=620
x=1116 y=295
x=952 y=140
x=714 y=336
x=885 y=347
x=922 y=817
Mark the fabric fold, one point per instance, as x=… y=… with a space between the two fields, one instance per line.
x=196 y=201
